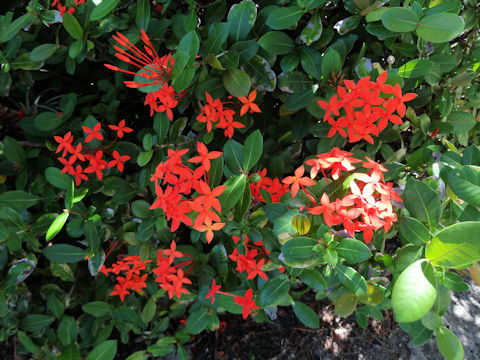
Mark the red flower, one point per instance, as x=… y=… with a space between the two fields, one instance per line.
x=213 y=290
x=119 y=160
x=248 y=103
x=298 y=181
x=204 y=156
x=247 y=303
x=93 y=133
x=157 y=70
x=121 y=128
x=64 y=142
x=79 y=175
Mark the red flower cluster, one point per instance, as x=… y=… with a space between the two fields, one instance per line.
x=94 y=156
x=363 y=106
x=368 y=207
x=131 y=266
x=179 y=181
x=171 y=277
x=155 y=70
x=67 y=8
x=271 y=185
x=253 y=260
x=215 y=113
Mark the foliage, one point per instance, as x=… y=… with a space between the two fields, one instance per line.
x=255 y=150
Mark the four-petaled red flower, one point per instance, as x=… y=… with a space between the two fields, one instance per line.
x=246 y=302
x=248 y=103
x=93 y=133
x=121 y=128
x=213 y=290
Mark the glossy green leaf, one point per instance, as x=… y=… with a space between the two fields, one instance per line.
x=36 y=322
x=314 y=279
x=276 y=43
x=216 y=38
x=103 y=9
x=414 y=292
x=252 y=150
x=351 y=279
x=48 y=120
x=43 y=52
x=284 y=17
x=241 y=18
x=461 y=122
x=232 y=194
x=440 y=27
x=64 y=253
x=97 y=308
x=313 y=30
x=415 y=68
x=28 y=344
x=331 y=62
x=57 y=179
x=73 y=27
x=105 y=351
x=68 y=330
x=413 y=231
x=197 y=321
x=273 y=292
x=71 y=352
x=353 y=251
x=18 y=199
x=237 y=82
x=311 y=61
x=422 y=202
x=21 y=22
x=261 y=74
x=233 y=154
x=419 y=334
x=13 y=151
x=456 y=246
x=142 y=17
x=299 y=252
x=306 y=315
x=148 y=311
x=465 y=183
x=447 y=342
x=399 y=19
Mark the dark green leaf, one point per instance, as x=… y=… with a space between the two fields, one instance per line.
x=18 y=199
x=43 y=52
x=284 y=17
x=241 y=18
x=236 y=82
x=101 y=10
x=400 y=19
x=273 y=292
x=72 y=26
x=36 y=322
x=142 y=17
x=353 y=251
x=64 y=253
x=105 y=351
x=440 y=27
x=306 y=315
x=252 y=150
x=276 y=43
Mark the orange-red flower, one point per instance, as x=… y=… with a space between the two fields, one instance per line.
x=298 y=181
x=248 y=103
x=121 y=128
x=246 y=302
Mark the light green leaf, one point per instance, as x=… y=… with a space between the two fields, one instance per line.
x=399 y=19
x=414 y=292
x=465 y=183
x=440 y=27
x=450 y=347
x=232 y=194
x=353 y=251
x=422 y=202
x=57 y=225
x=456 y=246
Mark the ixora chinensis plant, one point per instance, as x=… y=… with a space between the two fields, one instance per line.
x=163 y=163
